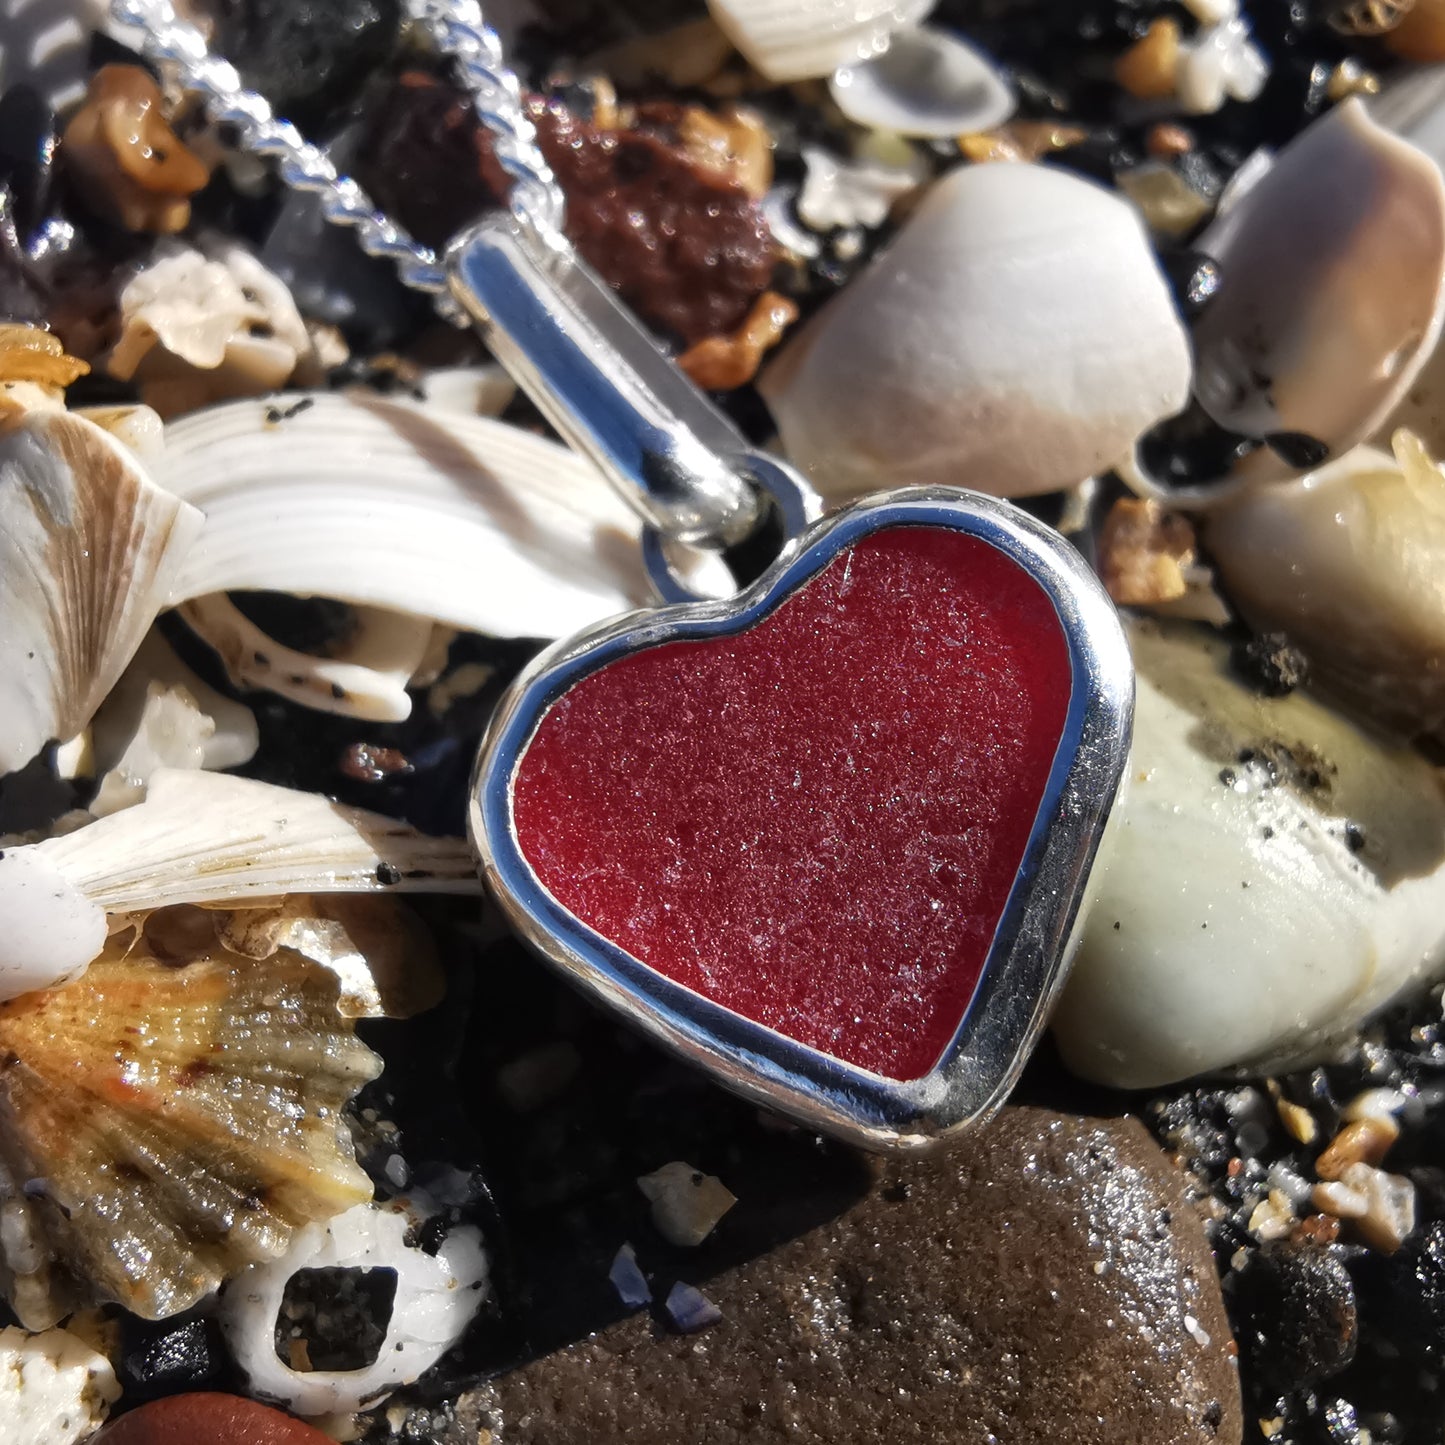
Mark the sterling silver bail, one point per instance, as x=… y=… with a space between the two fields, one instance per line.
x=582 y=358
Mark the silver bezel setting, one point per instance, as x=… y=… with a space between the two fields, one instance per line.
x=1026 y=962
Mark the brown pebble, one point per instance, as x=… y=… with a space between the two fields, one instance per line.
x=133 y=168
x=1316 y=1229
x=1054 y=1259
x=370 y=763
x=1366 y=1141
x=687 y=248
x=1165 y=141
x=1149 y=68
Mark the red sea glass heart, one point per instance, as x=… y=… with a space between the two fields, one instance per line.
x=815 y=822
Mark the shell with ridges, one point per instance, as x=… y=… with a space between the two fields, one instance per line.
x=161 y=1127
x=797 y=39
x=89 y=549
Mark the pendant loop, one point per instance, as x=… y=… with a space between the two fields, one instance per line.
x=601 y=380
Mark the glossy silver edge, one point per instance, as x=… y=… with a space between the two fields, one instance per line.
x=1027 y=961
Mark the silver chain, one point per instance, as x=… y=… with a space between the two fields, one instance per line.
x=457 y=30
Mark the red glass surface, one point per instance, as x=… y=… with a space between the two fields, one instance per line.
x=815 y=822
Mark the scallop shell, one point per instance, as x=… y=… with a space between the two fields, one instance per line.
x=162 y=1127
x=1334 y=288
x=89 y=549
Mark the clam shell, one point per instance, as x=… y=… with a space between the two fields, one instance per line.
x=797 y=39
x=1273 y=876
x=89 y=550
x=928 y=83
x=1334 y=288
x=1016 y=338
x=1349 y=563
x=162 y=1127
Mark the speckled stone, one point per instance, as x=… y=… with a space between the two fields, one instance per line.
x=1046 y=1281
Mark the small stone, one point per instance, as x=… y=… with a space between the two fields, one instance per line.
x=972 y=1302
x=1298 y=1317
x=307 y=57
x=1166 y=141
x=54 y=1389
x=686 y=1203
x=1143 y=551
x=628 y=1279
x=1388 y=1218
x=539 y=1076
x=162 y=1357
x=1170 y=205
x=1149 y=68
x=1298 y=1120
x=1363 y=1141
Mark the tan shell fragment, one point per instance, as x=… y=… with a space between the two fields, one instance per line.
x=89 y=547
x=1349 y=563
x=169 y=1125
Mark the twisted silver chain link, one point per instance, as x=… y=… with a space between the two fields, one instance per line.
x=457 y=30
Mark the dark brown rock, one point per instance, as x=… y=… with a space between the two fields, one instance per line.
x=1046 y=1281
x=687 y=249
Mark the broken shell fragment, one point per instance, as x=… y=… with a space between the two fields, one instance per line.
x=1334 y=267
x=202 y=838
x=928 y=83
x=437 y=1294
x=1271 y=878
x=463 y=520
x=1347 y=563
x=89 y=548
x=1016 y=338
x=799 y=39
x=170 y=1125
x=54 y=1388
x=366 y=677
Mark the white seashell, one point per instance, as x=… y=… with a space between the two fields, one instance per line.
x=202 y=838
x=1334 y=286
x=437 y=1296
x=367 y=678
x=928 y=83
x=1349 y=563
x=54 y=1389
x=1016 y=338
x=797 y=39
x=89 y=549
x=836 y=192
x=139 y=427
x=463 y=520
x=1273 y=877
x=470 y=390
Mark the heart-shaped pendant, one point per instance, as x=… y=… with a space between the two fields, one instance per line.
x=828 y=838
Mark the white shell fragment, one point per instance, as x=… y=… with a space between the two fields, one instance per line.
x=201 y=838
x=1349 y=563
x=1334 y=286
x=1221 y=63
x=367 y=678
x=928 y=83
x=89 y=549
x=836 y=192
x=462 y=520
x=799 y=39
x=437 y=1295
x=54 y=1389
x=1272 y=877
x=686 y=1203
x=1016 y=338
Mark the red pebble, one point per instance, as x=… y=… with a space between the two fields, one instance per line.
x=207 y=1419
x=816 y=822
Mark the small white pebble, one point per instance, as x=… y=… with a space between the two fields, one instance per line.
x=1388 y=1218
x=1374 y=1104
x=1197 y=1332
x=1338 y=1199
x=53 y=1387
